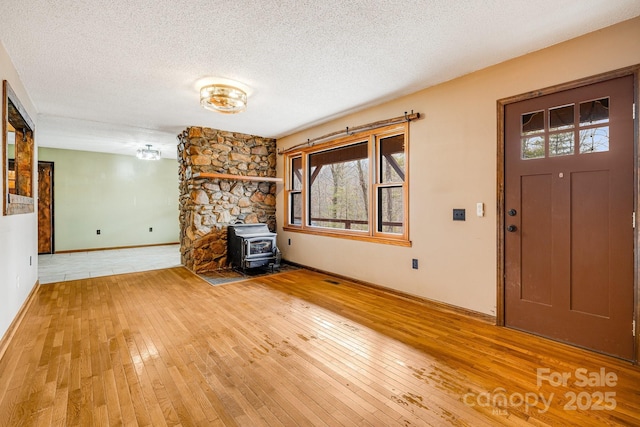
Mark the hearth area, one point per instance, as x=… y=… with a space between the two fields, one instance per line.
x=252 y=246
x=228 y=276
x=224 y=178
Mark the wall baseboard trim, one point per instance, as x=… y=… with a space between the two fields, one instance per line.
x=438 y=305
x=8 y=336
x=115 y=248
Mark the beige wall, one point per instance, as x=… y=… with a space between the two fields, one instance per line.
x=119 y=195
x=453 y=165
x=18 y=233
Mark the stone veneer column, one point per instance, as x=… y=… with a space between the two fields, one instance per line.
x=208 y=206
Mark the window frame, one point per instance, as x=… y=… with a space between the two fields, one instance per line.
x=291 y=190
x=372 y=138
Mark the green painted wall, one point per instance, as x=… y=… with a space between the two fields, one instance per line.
x=119 y=195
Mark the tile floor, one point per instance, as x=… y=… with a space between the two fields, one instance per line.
x=82 y=265
x=54 y=268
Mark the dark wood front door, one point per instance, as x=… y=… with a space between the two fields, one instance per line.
x=45 y=207
x=569 y=197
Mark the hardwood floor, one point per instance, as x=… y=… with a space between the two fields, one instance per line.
x=298 y=348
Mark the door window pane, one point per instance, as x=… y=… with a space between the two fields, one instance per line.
x=594 y=140
x=594 y=112
x=561 y=118
x=561 y=144
x=533 y=122
x=532 y=131
x=533 y=147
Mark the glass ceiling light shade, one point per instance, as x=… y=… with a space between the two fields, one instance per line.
x=148 y=153
x=223 y=98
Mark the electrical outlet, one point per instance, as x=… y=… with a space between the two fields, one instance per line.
x=458 y=215
x=17 y=282
x=150 y=229
x=97 y=231
x=414 y=263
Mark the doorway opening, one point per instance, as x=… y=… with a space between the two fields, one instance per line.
x=45 y=208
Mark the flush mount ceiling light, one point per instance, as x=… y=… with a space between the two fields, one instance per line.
x=223 y=98
x=148 y=153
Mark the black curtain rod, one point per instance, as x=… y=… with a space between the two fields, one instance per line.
x=350 y=131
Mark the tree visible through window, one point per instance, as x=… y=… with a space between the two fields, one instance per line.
x=357 y=187
x=296 y=191
x=338 y=196
x=390 y=187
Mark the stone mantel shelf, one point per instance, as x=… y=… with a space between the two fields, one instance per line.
x=236 y=177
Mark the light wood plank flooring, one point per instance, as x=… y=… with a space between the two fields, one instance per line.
x=295 y=349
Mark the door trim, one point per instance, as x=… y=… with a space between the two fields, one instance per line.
x=500 y=185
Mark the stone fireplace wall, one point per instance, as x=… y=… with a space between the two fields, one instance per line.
x=209 y=205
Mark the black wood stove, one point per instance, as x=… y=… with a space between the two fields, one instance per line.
x=251 y=246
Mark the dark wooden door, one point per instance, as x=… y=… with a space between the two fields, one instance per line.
x=45 y=207
x=569 y=194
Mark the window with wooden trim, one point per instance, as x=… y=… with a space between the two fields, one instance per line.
x=295 y=193
x=354 y=187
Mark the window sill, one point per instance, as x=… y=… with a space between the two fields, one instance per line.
x=350 y=236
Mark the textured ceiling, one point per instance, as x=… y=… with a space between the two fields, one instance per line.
x=113 y=75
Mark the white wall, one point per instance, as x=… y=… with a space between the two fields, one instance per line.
x=18 y=233
x=119 y=195
x=453 y=151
